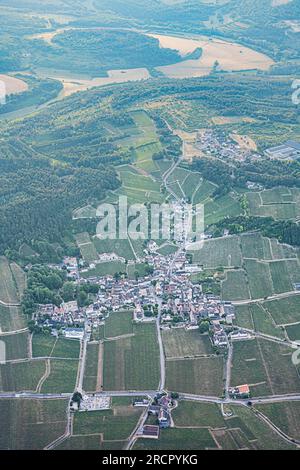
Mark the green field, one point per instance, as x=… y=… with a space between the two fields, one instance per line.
x=180 y=343
x=259 y=277
x=16 y=346
x=49 y=346
x=31 y=424
x=219 y=252
x=22 y=376
x=255 y=317
x=105 y=269
x=286 y=416
x=198 y=414
x=131 y=363
x=202 y=376
x=235 y=286
x=266 y=366
x=178 y=439
x=12 y=282
x=11 y=318
x=284 y=311
x=62 y=378
x=118 y=324
x=91 y=368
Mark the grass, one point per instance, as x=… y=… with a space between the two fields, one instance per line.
x=62 y=378
x=22 y=376
x=31 y=424
x=181 y=343
x=132 y=363
x=49 y=346
x=202 y=376
x=118 y=324
x=16 y=346
x=293 y=332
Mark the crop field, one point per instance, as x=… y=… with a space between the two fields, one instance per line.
x=93 y=368
x=266 y=366
x=179 y=439
x=285 y=415
x=137 y=269
x=181 y=343
x=119 y=247
x=259 y=277
x=279 y=203
x=87 y=248
x=62 y=377
x=8 y=286
x=21 y=376
x=202 y=376
x=235 y=286
x=284 y=311
x=219 y=252
x=42 y=345
x=131 y=363
x=16 y=346
x=255 y=246
x=257 y=318
x=66 y=348
x=31 y=424
x=105 y=269
x=11 y=318
x=293 y=332
x=115 y=424
x=218 y=209
x=198 y=414
x=118 y=324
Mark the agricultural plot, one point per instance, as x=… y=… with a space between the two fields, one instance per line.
x=105 y=269
x=202 y=376
x=9 y=293
x=93 y=368
x=49 y=346
x=284 y=311
x=254 y=433
x=257 y=318
x=219 y=208
x=86 y=212
x=118 y=324
x=87 y=248
x=115 y=424
x=285 y=415
x=219 y=252
x=204 y=191
x=11 y=319
x=31 y=424
x=16 y=346
x=266 y=366
x=179 y=343
x=66 y=349
x=42 y=345
x=21 y=376
x=259 y=278
x=280 y=277
x=279 y=203
x=121 y=248
x=179 y=439
x=62 y=377
x=293 y=332
x=255 y=246
x=235 y=286
x=132 y=363
x=198 y=414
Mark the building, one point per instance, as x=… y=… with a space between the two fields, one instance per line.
x=164 y=419
x=241 y=391
x=288 y=151
x=150 y=431
x=74 y=333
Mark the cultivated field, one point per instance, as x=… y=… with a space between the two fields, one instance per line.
x=202 y=376
x=16 y=346
x=22 y=376
x=181 y=343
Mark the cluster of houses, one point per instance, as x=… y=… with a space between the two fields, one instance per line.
x=161 y=409
x=217 y=143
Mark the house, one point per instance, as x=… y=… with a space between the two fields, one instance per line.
x=74 y=333
x=164 y=419
x=241 y=391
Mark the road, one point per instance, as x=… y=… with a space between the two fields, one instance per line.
x=162 y=358
x=271 y=297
